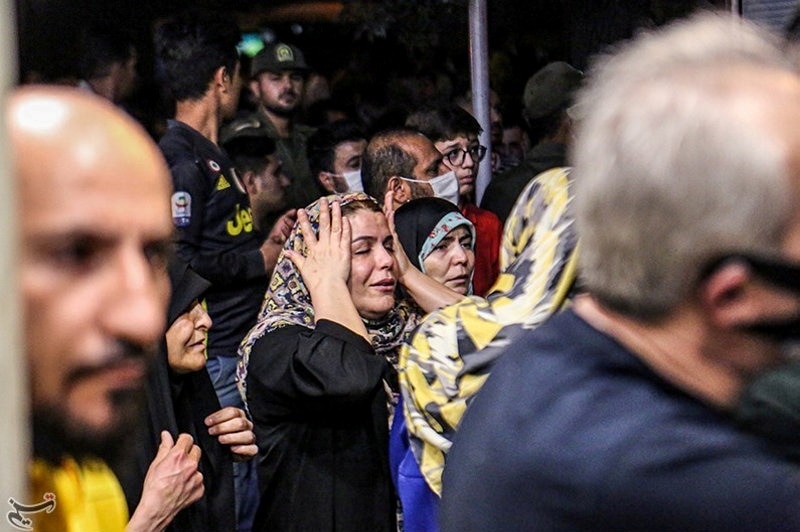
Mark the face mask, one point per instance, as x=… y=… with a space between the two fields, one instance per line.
x=353 y=179
x=444 y=186
x=780 y=274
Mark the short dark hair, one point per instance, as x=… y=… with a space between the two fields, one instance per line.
x=321 y=145
x=100 y=48
x=191 y=47
x=444 y=123
x=384 y=158
x=249 y=154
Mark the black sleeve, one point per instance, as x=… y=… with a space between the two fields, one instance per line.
x=217 y=265
x=328 y=368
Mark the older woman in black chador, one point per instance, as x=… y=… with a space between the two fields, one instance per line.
x=181 y=400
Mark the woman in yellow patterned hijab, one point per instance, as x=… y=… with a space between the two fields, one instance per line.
x=450 y=355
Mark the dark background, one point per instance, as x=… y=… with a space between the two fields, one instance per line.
x=409 y=36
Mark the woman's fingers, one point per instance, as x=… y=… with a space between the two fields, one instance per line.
x=344 y=243
x=306 y=229
x=336 y=220
x=324 y=217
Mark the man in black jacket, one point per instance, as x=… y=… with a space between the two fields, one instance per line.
x=547 y=96
x=211 y=213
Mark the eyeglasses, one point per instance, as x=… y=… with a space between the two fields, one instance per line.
x=456 y=156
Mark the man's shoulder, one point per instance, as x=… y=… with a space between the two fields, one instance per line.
x=567 y=405
x=483 y=217
x=304 y=131
x=255 y=121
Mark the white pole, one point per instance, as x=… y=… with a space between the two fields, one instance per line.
x=14 y=423
x=479 y=63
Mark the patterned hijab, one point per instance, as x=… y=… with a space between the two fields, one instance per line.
x=450 y=355
x=424 y=222
x=287 y=301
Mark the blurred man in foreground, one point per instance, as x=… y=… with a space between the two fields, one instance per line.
x=617 y=415
x=95 y=229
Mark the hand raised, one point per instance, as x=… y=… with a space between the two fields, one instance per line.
x=328 y=254
x=172 y=483
x=401 y=262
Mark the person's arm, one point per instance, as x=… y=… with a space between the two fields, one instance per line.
x=326 y=267
x=172 y=483
x=232 y=428
x=320 y=370
x=273 y=244
x=220 y=266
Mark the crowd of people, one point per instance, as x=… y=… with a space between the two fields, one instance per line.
x=251 y=323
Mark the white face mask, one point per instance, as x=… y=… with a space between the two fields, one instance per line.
x=444 y=186
x=353 y=179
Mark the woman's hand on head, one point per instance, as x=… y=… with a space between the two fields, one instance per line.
x=401 y=263
x=328 y=257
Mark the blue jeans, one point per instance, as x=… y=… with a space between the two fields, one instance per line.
x=222 y=371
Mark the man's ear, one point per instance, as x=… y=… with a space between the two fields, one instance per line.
x=401 y=190
x=222 y=78
x=250 y=182
x=253 y=86
x=728 y=297
x=326 y=180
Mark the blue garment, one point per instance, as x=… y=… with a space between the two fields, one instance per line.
x=222 y=371
x=574 y=432
x=420 y=505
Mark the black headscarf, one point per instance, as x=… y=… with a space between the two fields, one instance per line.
x=180 y=403
x=416 y=220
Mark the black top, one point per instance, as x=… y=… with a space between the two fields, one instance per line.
x=320 y=413
x=215 y=234
x=503 y=190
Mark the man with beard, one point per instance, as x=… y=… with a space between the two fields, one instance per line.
x=618 y=414
x=211 y=211
x=95 y=233
x=278 y=76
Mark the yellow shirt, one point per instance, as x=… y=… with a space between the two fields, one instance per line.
x=88 y=497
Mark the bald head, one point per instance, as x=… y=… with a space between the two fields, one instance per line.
x=62 y=133
x=95 y=229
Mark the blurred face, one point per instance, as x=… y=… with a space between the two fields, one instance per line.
x=372 y=281
x=467 y=171
x=515 y=143
x=346 y=158
x=268 y=190
x=452 y=261
x=279 y=92
x=230 y=100
x=127 y=77
x=94 y=244
x=186 y=340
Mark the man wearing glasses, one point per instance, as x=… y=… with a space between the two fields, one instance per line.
x=455 y=132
